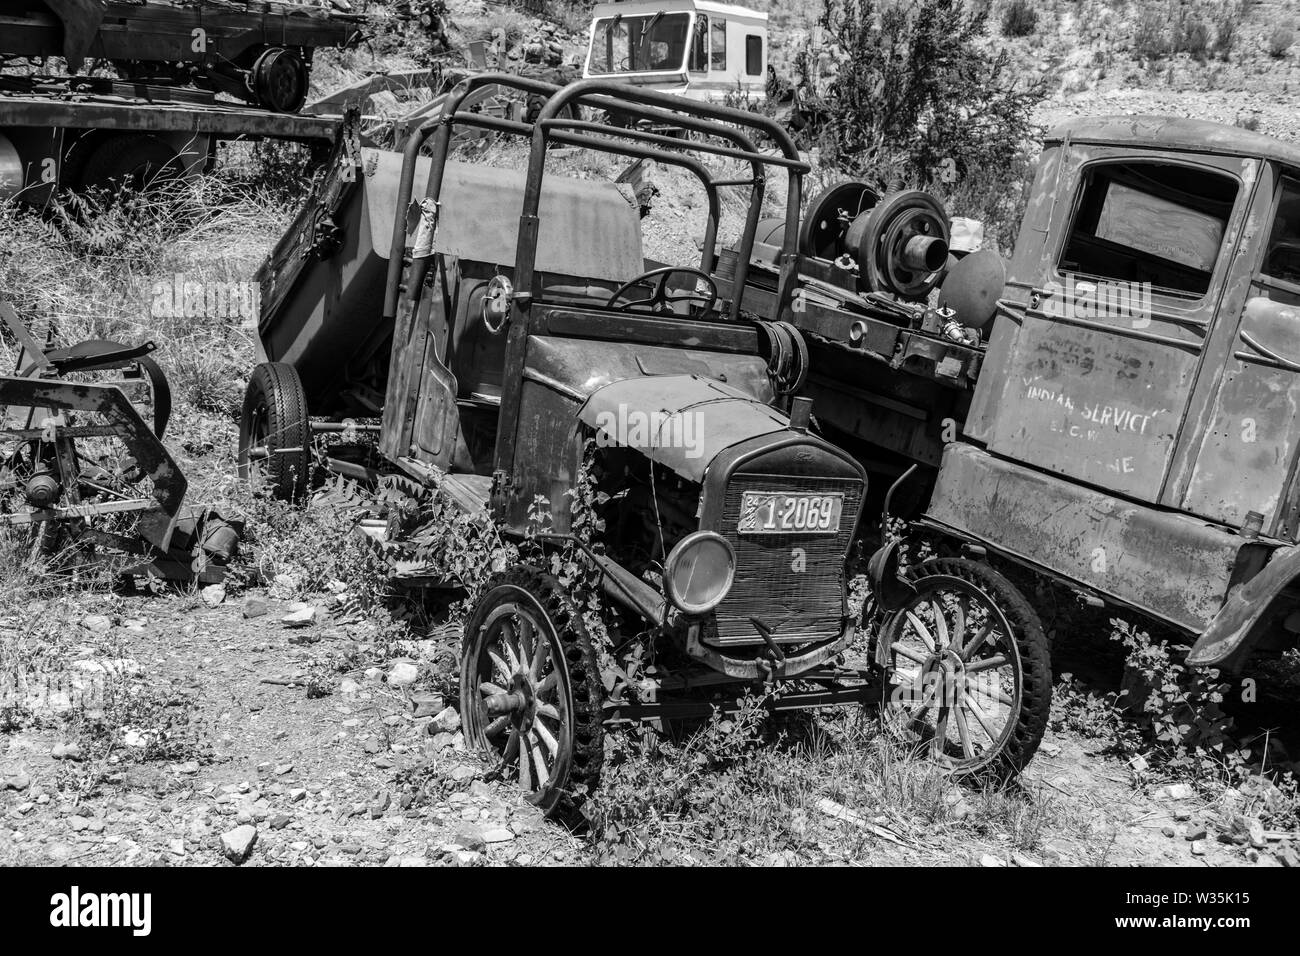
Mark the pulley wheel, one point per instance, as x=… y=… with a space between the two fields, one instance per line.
x=904 y=246
x=822 y=232
x=279 y=80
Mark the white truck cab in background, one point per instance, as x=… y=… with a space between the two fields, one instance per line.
x=694 y=48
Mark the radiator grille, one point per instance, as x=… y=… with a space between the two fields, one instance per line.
x=798 y=607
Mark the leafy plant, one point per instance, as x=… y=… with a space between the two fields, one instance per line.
x=1280 y=40
x=915 y=98
x=1019 y=18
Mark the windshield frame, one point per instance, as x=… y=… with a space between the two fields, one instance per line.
x=655 y=20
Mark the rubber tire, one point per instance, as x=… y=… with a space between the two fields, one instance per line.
x=270 y=89
x=525 y=582
x=1035 y=662
x=276 y=388
x=145 y=160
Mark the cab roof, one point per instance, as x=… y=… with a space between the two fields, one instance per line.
x=1169 y=132
x=639 y=7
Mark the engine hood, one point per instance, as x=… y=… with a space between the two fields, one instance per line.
x=682 y=422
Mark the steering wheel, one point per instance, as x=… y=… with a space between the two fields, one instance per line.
x=660 y=300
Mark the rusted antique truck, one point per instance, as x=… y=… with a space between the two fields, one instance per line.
x=1125 y=422
x=509 y=323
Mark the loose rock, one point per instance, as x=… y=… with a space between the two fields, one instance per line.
x=97 y=623
x=447 y=721
x=468 y=840
x=300 y=615
x=403 y=674
x=426 y=705
x=237 y=844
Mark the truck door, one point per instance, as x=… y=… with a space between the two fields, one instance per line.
x=1245 y=460
x=1100 y=376
x=420 y=414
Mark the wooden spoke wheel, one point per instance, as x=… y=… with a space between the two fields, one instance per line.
x=530 y=691
x=968 y=678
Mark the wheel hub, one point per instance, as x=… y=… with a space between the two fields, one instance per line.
x=524 y=691
x=946 y=669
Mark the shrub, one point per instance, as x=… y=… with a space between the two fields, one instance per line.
x=1151 y=34
x=1225 y=29
x=1279 y=41
x=1019 y=18
x=1193 y=37
x=916 y=90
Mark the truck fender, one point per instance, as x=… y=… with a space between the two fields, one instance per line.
x=1234 y=629
x=888 y=586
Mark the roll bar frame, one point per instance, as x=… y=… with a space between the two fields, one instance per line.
x=549 y=126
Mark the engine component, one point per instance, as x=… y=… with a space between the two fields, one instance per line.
x=278 y=80
x=825 y=227
x=972 y=287
x=902 y=244
x=42 y=489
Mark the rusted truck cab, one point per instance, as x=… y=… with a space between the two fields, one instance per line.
x=1133 y=430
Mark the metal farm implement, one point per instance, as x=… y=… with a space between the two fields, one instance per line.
x=85 y=474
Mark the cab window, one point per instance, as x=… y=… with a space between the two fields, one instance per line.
x=718 y=45
x=636 y=44
x=753 y=54
x=699 y=59
x=1159 y=224
x=1282 y=254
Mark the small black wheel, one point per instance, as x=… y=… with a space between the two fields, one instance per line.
x=968 y=674
x=275 y=432
x=530 y=690
x=279 y=80
x=135 y=161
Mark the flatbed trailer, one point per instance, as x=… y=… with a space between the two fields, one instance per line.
x=258 y=52
x=187 y=76
x=79 y=133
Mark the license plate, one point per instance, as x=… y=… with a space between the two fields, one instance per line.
x=775 y=512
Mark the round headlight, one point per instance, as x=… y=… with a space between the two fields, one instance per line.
x=699 y=572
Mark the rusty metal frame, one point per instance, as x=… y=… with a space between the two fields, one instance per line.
x=702 y=118
x=158 y=520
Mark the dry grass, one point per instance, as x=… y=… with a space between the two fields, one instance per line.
x=747 y=791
